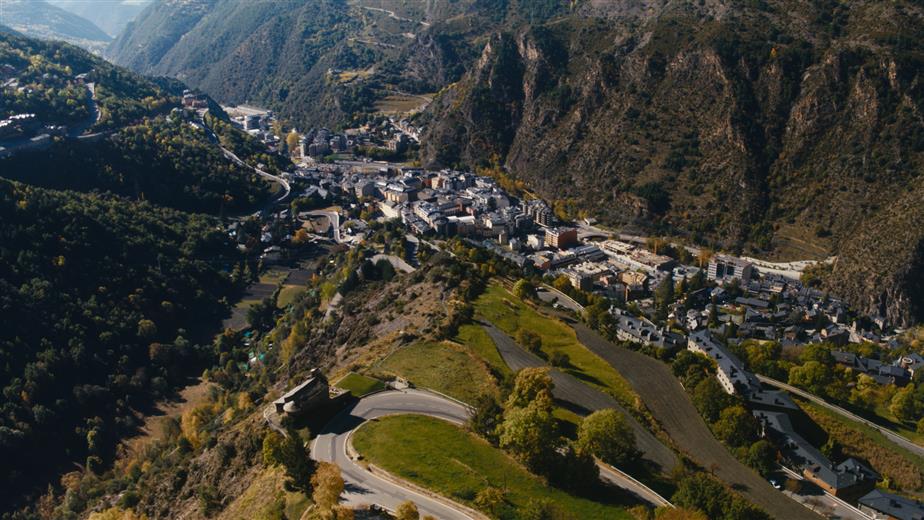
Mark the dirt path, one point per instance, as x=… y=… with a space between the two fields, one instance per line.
x=671 y=406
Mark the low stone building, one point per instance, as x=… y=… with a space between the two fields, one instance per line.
x=313 y=393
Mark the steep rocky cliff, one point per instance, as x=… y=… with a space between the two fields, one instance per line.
x=786 y=127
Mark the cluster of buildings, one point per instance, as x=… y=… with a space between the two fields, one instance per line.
x=897 y=373
x=395 y=136
x=18 y=126
x=739 y=299
x=848 y=480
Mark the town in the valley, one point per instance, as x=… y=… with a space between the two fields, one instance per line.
x=337 y=193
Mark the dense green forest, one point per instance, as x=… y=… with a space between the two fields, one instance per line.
x=48 y=85
x=102 y=301
x=167 y=161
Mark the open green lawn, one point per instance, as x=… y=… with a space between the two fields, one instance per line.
x=904 y=469
x=287 y=295
x=444 y=367
x=888 y=420
x=510 y=314
x=359 y=385
x=448 y=460
x=474 y=337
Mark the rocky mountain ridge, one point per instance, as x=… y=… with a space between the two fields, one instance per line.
x=771 y=129
x=776 y=127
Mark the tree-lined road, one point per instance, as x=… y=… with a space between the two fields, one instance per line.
x=589 y=399
x=889 y=434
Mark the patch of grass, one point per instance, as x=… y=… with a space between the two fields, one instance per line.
x=359 y=385
x=265 y=492
x=448 y=460
x=885 y=418
x=288 y=294
x=568 y=421
x=401 y=103
x=476 y=338
x=510 y=314
x=444 y=367
x=273 y=276
x=904 y=469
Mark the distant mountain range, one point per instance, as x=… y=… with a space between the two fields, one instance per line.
x=41 y=19
x=793 y=129
x=109 y=15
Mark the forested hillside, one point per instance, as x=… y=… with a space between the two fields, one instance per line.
x=103 y=301
x=51 y=81
x=316 y=62
x=40 y=19
x=168 y=162
x=109 y=15
x=147 y=149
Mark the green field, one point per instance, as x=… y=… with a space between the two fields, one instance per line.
x=287 y=295
x=448 y=460
x=510 y=314
x=444 y=367
x=359 y=385
x=474 y=337
x=887 y=419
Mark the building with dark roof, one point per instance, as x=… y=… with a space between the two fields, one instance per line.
x=848 y=480
x=880 y=505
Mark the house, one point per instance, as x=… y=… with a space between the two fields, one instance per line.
x=730 y=370
x=880 y=505
x=310 y=394
x=848 y=480
x=640 y=330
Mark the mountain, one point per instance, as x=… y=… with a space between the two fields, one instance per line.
x=107 y=280
x=775 y=127
x=138 y=151
x=41 y=19
x=313 y=61
x=95 y=249
x=780 y=128
x=109 y=15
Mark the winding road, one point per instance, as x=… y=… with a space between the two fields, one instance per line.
x=286 y=189
x=586 y=398
x=365 y=487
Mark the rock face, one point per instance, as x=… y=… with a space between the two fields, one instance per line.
x=881 y=268
x=773 y=126
x=779 y=127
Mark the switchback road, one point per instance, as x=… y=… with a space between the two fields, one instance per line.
x=364 y=487
x=569 y=389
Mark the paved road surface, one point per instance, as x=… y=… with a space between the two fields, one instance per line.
x=569 y=389
x=672 y=408
x=889 y=434
x=363 y=487
x=549 y=294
